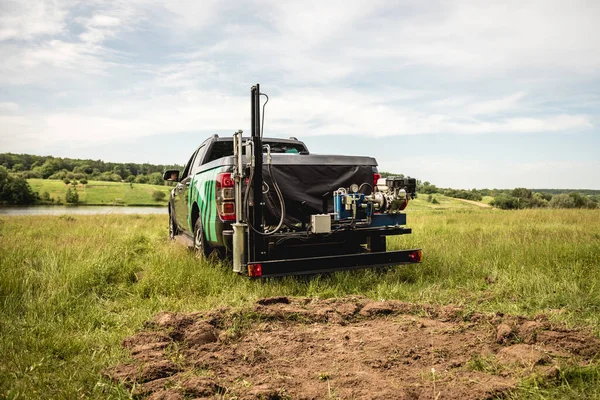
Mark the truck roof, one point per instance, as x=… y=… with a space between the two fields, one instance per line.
x=264 y=139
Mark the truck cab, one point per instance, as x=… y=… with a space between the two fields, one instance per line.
x=190 y=199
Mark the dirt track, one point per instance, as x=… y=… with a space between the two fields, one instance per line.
x=475 y=203
x=350 y=348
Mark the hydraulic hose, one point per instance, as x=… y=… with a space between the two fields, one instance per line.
x=279 y=196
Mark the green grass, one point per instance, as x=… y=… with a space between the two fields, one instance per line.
x=445 y=203
x=487 y=199
x=71 y=288
x=103 y=193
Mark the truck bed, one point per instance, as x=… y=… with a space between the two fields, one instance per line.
x=308 y=182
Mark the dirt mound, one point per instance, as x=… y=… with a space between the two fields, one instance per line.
x=345 y=348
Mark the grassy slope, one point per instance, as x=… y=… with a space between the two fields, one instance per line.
x=72 y=288
x=103 y=193
x=445 y=203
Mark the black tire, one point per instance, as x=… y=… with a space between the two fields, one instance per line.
x=173 y=230
x=200 y=244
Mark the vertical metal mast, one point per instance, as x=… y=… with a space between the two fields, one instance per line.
x=257 y=247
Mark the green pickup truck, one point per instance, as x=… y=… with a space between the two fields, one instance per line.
x=276 y=209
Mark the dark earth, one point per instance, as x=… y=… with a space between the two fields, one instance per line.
x=351 y=348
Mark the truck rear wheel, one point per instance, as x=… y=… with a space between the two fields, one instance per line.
x=200 y=244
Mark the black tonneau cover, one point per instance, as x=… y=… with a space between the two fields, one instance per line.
x=308 y=182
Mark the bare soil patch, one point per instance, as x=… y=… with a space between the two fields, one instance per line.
x=351 y=348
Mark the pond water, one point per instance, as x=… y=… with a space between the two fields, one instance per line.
x=80 y=210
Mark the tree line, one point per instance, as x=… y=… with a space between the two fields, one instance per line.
x=520 y=198
x=30 y=166
x=514 y=199
x=15 y=169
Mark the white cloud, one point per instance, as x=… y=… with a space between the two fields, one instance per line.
x=9 y=106
x=296 y=112
x=25 y=20
x=100 y=20
x=342 y=112
x=508 y=103
x=192 y=15
x=483 y=37
x=58 y=54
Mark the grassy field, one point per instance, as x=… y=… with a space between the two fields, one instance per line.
x=103 y=193
x=421 y=203
x=71 y=288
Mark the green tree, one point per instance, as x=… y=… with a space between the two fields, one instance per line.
x=156 y=178
x=562 y=200
x=72 y=197
x=506 y=202
x=522 y=193
x=50 y=167
x=141 y=179
x=45 y=197
x=14 y=189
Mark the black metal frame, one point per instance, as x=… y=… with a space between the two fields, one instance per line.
x=258 y=244
x=316 y=265
x=255 y=240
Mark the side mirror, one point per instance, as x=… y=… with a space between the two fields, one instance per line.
x=171 y=175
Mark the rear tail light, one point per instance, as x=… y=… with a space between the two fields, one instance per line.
x=416 y=256
x=255 y=270
x=224 y=196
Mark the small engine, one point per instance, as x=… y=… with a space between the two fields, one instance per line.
x=391 y=196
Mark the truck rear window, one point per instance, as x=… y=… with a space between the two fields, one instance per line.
x=225 y=149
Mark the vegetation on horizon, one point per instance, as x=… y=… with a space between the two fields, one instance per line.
x=518 y=198
x=71 y=288
x=15 y=169
x=30 y=166
x=99 y=193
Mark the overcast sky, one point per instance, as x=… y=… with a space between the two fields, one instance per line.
x=459 y=93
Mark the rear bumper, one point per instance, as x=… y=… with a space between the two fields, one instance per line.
x=314 y=265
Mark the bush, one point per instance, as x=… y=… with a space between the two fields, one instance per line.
x=30 y=175
x=142 y=179
x=14 y=189
x=572 y=200
x=158 y=195
x=66 y=181
x=506 y=202
x=83 y=181
x=72 y=197
x=464 y=194
x=156 y=178
x=45 y=197
x=428 y=188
